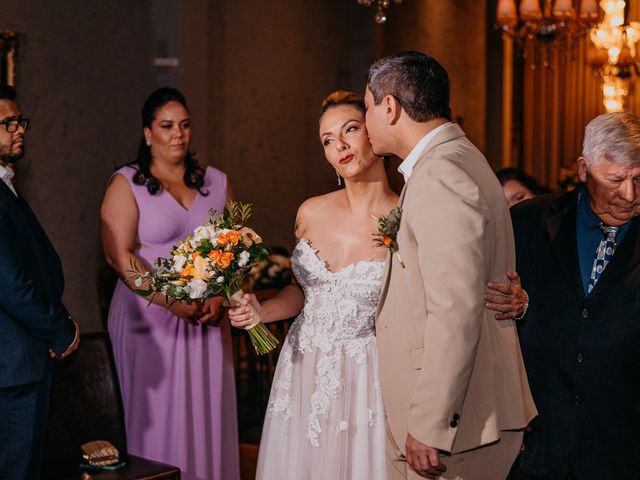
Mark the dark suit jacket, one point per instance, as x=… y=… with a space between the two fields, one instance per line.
x=582 y=354
x=32 y=318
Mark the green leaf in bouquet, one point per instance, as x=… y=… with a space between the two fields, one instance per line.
x=205 y=247
x=236 y=214
x=245 y=212
x=144 y=293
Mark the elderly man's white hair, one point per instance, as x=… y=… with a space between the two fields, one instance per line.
x=614 y=137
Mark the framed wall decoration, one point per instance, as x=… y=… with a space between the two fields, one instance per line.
x=8 y=51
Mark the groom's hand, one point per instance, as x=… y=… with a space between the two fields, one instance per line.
x=423 y=459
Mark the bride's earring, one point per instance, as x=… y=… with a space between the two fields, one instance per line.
x=339 y=179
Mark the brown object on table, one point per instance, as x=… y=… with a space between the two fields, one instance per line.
x=100 y=453
x=85 y=405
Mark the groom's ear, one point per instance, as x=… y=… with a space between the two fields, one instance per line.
x=392 y=109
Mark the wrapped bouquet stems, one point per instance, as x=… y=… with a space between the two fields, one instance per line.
x=261 y=338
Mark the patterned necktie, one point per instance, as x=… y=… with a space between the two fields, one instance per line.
x=604 y=253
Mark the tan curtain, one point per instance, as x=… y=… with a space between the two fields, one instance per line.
x=558 y=95
x=548 y=103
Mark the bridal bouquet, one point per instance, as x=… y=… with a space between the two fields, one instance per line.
x=214 y=261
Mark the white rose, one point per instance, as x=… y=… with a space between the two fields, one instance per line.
x=197 y=288
x=178 y=262
x=243 y=258
x=201 y=233
x=219 y=279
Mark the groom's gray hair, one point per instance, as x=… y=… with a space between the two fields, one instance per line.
x=417 y=81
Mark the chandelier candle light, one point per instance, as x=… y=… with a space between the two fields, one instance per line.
x=614 y=53
x=546 y=26
x=614 y=36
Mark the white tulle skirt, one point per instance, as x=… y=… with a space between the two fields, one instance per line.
x=325 y=419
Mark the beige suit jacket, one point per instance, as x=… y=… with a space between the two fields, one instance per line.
x=452 y=375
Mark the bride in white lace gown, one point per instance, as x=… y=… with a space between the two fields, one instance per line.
x=325 y=418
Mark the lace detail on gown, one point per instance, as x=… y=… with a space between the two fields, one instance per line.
x=337 y=325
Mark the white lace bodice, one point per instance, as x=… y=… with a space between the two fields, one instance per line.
x=337 y=321
x=340 y=307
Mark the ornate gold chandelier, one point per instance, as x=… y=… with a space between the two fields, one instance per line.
x=546 y=23
x=381 y=7
x=614 y=53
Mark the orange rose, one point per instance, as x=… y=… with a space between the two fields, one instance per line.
x=188 y=271
x=194 y=255
x=222 y=239
x=388 y=241
x=214 y=255
x=233 y=236
x=225 y=260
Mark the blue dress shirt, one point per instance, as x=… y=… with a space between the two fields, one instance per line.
x=589 y=235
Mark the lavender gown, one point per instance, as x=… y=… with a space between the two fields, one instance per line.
x=176 y=379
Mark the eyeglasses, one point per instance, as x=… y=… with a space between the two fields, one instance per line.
x=12 y=125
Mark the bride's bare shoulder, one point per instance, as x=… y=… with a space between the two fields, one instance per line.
x=320 y=203
x=315 y=209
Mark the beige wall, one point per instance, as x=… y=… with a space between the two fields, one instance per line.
x=269 y=66
x=453 y=32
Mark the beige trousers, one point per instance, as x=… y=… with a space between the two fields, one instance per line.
x=490 y=462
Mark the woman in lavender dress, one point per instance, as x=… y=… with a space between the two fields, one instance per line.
x=174 y=362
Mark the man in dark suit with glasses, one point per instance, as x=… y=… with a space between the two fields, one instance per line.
x=34 y=325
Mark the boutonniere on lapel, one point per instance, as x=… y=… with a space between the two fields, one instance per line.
x=388 y=226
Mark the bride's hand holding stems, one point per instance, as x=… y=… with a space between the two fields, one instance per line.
x=287 y=304
x=241 y=315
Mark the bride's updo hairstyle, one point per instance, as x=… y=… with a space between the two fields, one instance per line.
x=194 y=173
x=342 y=97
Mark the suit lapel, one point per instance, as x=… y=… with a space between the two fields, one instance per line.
x=561 y=227
x=41 y=246
x=386 y=274
x=450 y=132
x=6 y=195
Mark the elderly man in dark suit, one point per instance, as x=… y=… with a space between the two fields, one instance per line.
x=34 y=325
x=578 y=255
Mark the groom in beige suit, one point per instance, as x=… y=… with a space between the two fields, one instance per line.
x=454 y=385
